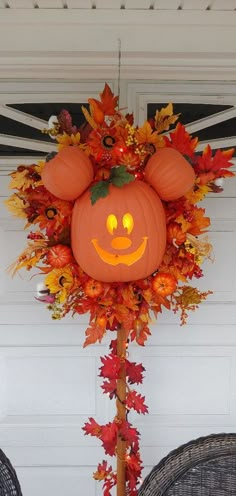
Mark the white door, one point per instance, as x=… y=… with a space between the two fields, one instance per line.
x=49 y=385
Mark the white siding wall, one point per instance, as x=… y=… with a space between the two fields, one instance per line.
x=49 y=385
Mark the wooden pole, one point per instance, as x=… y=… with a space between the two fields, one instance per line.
x=121 y=412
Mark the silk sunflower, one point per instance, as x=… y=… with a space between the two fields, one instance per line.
x=60 y=281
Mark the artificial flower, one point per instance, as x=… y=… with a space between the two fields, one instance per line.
x=105 y=145
x=67 y=139
x=60 y=281
x=130 y=160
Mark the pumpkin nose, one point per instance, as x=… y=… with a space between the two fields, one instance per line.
x=121 y=242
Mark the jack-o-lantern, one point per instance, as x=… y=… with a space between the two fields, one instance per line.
x=123 y=236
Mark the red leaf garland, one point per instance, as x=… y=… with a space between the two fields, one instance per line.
x=109 y=387
x=110 y=367
x=93 y=428
x=109 y=438
x=111 y=371
x=134 y=372
x=136 y=401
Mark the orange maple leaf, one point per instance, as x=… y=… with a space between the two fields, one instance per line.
x=107 y=105
x=181 y=140
x=109 y=102
x=124 y=316
x=141 y=336
x=145 y=134
x=94 y=333
x=130 y=300
x=199 y=222
x=96 y=111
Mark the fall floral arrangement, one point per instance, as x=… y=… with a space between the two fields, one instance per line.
x=119 y=153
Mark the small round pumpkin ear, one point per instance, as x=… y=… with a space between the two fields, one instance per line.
x=68 y=174
x=169 y=173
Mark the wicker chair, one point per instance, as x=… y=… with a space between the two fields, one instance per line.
x=9 y=484
x=203 y=467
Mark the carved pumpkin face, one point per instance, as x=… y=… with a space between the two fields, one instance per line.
x=121 y=237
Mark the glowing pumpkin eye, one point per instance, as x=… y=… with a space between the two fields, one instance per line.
x=111 y=223
x=128 y=222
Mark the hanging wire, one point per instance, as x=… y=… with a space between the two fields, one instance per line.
x=119 y=69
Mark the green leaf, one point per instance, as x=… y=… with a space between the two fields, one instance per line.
x=99 y=190
x=119 y=176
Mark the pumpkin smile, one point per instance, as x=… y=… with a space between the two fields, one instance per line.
x=116 y=259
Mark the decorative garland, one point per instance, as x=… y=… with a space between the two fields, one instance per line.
x=109 y=138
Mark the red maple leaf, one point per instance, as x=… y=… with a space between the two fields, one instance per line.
x=108 y=485
x=136 y=401
x=103 y=470
x=93 y=428
x=109 y=387
x=210 y=167
x=105 y=473
x=113 y=346
x=134 y=372
x=109 y=438
x=133 y=472
x=108 y=101
x=93 y=334
x=111 y=366
x=129 y=434
x=181 y=140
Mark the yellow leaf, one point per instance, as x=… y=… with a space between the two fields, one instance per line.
x=89 y=118
x=40 y=166
x=185 y=225
x=164 y=118
x=16 y=206
x=67 y=140
x=145 y=134
x=21 y=180
x=198 y=195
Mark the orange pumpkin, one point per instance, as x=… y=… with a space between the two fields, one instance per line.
x=59 y=255
x=121 y=237
x=175 y=235
x=68 y=174
x=164 y=284
x=169 y=174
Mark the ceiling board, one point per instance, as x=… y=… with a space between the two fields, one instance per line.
x=213 y=5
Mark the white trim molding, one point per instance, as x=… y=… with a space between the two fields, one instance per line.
x=83 y=44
